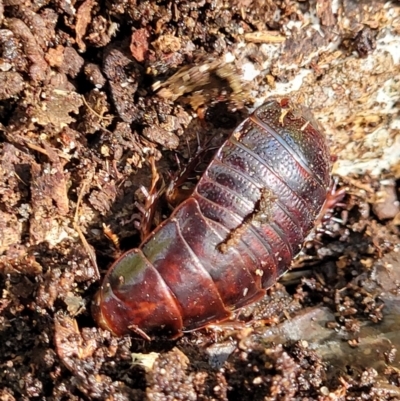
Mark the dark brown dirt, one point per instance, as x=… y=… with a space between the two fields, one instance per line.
x=89 y=91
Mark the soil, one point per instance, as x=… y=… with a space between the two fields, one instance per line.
x=91 y=92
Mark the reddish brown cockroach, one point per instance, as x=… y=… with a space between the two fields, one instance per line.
x=234 y=235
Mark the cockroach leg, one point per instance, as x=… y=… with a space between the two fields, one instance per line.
x=148 y=210
x=334 y=199
x=139 y=332
x=108 y=232
x=181 y=187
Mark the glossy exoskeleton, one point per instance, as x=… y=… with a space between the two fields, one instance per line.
x=232 y=237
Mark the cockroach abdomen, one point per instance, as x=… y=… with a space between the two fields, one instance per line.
x=235 y=234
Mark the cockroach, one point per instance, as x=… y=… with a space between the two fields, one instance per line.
x=232 y=237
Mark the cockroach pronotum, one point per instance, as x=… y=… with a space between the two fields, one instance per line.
x=232 y=237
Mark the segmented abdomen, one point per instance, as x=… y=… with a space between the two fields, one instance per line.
x=232 y=238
